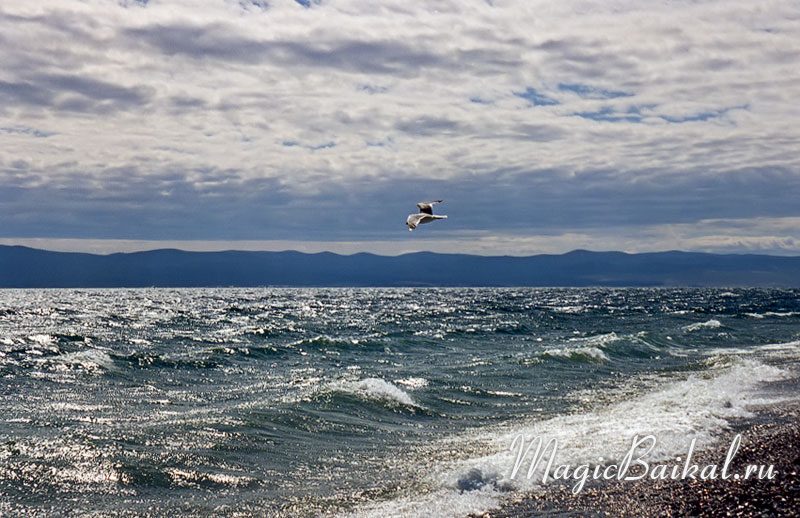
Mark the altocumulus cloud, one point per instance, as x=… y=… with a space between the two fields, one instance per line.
x=546 y=126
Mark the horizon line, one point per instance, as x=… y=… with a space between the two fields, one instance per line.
x=4 y=243
x=472 y=242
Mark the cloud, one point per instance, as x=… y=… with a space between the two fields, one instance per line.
x=170 y=119
x=221 y=42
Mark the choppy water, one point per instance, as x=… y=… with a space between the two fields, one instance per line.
x=358 y=402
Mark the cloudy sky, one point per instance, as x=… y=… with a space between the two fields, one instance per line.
x=545 y=126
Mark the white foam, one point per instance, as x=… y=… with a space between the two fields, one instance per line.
x=85 y=465
x=375 y=389
x=584 y=348
x=782 y=351
x=591 y=353
x=698 y=407
x=43 y=340
x=568 y=309
x=504 y=393
x=598 y=340
x=782 y=314
x=90 y=360
x=710 y=324
x=730 y=351
x=442 y=503
x=413 y=383
x=187 y=477
x=76 y=407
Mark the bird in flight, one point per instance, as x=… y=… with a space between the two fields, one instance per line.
x=425 y=215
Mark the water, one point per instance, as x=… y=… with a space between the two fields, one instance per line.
x=359 y=402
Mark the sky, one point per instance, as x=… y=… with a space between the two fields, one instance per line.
x=313 y=125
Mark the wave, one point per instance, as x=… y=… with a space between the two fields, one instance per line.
x=698 y=407
x=709 y=324
x=786 y=352
x=192 y=478
x=329 y=341
x=53 y=464
x=377 y=390
x=91 y=360
x=43 y=340
x=54 y=353
x=773 y=314
x=413 y=383
x=48 y=342
x=584 y=349
x=581 y=354
x=597 y=340
x=143 y=360
x=247 y=352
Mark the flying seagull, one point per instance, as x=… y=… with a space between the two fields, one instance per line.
x=425 y=215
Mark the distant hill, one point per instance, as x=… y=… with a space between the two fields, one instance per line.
x=22 y=267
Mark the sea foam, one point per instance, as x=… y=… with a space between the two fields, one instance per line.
x=375 y=389
x=698 y=407
x=709 y=324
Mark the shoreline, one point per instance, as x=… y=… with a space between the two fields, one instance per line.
x=770 y=436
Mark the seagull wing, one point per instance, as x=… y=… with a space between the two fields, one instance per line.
x=414 y=220
x=426 y=207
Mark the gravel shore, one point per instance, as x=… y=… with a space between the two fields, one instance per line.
x=772 y=437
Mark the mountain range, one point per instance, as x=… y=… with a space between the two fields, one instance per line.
x=22 y=267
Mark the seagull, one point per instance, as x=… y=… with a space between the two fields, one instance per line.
x=425 y=215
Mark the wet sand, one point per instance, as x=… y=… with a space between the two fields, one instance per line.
x=772 y=436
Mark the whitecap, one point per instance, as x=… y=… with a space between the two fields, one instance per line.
x=598 y=340
x=568 y=309
x=503 y=393
x=375 y=389
x=43 y=340
x=577 y=353
x=90 y=360
x=709 y=324
x=442 y=503
x=698 y=407
x=413 y=383
x=187 y=477
x=782 y=351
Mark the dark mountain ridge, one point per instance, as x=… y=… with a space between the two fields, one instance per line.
x=22 y=267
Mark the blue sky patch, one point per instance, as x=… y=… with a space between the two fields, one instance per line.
x=479 y=100
x=702 y=116
x=294 y=143
x=590 y=92
x=608 y=114
x=31 y=132
x=536 y=98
